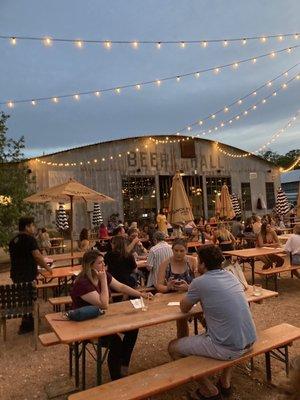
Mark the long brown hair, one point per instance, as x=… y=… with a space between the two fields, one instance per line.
x=88 y=260
x=119 y=246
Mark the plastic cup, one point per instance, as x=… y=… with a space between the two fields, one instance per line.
x=257 y=290
x=144 y=303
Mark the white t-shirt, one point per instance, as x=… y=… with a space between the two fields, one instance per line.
x=293 y=244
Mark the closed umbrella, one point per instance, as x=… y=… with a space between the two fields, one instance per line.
x=236 y=205
x=62 y=219
x=97 y=215
x=180 y=210
x=217 y=205
x=69 y=192
x=282 y=205
x=226 y=210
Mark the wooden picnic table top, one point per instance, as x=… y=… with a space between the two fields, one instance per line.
x=255 y=252
x=53 y=239
x=122 y=317
x=194 y=244
x=62 y=272
x=67 y=256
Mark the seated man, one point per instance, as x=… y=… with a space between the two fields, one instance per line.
x=230 y=328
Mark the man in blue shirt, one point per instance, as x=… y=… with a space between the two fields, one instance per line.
x=230 y=327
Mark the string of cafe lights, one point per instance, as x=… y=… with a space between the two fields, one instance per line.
x=274 y=138
x=157 y=82
x=170 y=140
x=291 y=167
x=243 y=113
x=49 y=41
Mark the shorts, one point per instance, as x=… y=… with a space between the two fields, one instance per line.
x=202 y=345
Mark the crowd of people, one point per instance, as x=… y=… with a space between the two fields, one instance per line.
x=230 y=330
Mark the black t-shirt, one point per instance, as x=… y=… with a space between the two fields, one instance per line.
x=120 y=267
x=23 y=265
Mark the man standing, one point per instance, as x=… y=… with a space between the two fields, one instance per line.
x=230 y=328
x=157 y=254
x=25 y=256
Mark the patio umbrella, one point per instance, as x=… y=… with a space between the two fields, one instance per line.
x=62 y=219
x=226 y=210
x=298 y=203
x=97 y=215
x=235 y=205
x=217 y=205
x=180 y=210
x=282 y=205
x=69 y=192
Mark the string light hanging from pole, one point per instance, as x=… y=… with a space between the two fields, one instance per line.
x=50 y=40
x=138 y=85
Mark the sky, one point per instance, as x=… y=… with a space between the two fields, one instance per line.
x=30 y=70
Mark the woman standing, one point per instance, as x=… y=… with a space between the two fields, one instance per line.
x=162 y=224
x=268 y=238
x=92 y=287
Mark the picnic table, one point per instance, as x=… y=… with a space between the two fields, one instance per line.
x=68 y=256
x=62 y=275
x=122 y=317
x=252 y=254
x=56 y=244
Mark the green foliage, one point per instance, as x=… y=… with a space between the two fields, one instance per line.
x=14 y=180
x=281 y=160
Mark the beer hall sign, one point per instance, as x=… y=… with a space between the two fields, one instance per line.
x=169 y=162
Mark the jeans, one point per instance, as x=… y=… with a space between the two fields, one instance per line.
x=119 y=351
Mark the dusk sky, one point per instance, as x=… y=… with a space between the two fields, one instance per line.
x=29 y=70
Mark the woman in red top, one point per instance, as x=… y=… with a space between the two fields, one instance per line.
x=92 y=287
x=103 y=232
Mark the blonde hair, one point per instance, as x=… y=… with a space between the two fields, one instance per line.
x=87 y=262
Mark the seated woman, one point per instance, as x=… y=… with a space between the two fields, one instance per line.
x=144 y=237
x=208 y=234
x=195 y=235
x=267 y=238
x=92 y=287
x=84 y=242
x=120 y=264
x=134 y=244
x=292 y=246
x=103 y=232
x=178 y=271
x=223 y=238
x=175 y=275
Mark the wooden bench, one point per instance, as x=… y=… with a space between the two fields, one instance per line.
x=49 y=339
x=272 y=273
x=175 y=373
x=45 y=286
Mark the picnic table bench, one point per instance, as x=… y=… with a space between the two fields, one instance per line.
x=272 y=273
x=175 y=373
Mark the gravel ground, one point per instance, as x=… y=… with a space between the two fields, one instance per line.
x=25 y=373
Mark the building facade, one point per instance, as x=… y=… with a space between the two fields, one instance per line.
x=290 y=183
x=137 y=173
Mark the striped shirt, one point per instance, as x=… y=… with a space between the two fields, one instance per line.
x=157 y=254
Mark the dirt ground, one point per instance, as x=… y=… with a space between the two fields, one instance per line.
x=25 y=373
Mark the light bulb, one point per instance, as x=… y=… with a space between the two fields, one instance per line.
x=189 y=128
x=97 y=93
x=13 y=41
x=213 y=116
x=33 y=102
x=158 y=45
x=280 y=38
x=135 y=44
x=216 y=70
x=244 y=41
x=284 y=86
x=240 y=101
x=55 y=99
x=204 y=44
x=269 y=83
x=79 y=43
x=254 y=107
x=178 y=79
x=225 y=43
x=273 y=54
x=138 y=86
x=263 y=39
x=254 y=60
x=182 y=45
x=76 y=97
x=47 y=41
x=158 y=82
x=289 y=50
x=107 y=44
x=200 y=123
x=197 y=75
x=235 y=65
x=10 y=104
x=118 y=90
x=245 y=112
x=264 y=101
x=254 y=93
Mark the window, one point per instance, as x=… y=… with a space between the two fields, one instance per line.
x=188 y=149
x=193 y=187
x=246 y=196
x=270 y=195
x=139 y=198
x=214 y=186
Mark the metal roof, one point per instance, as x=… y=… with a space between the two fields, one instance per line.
x=291 y=176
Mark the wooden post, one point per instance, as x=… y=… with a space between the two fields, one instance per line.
x=71 y=226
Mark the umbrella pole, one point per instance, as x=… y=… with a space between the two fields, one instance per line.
x=72 y=245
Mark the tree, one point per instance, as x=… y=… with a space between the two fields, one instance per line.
x=284 y=160
x=14 y=181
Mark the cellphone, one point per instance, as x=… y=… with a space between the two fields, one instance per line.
x=179 y=281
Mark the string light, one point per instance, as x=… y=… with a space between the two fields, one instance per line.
x=291 y=167
x=136 y=43
x=158 y=82
x=13 y=41
x=47 y=41
x=79 y=43
x=274 y=137
x=239 y=101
